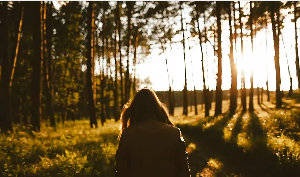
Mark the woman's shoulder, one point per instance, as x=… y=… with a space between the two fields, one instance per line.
x=173 y=129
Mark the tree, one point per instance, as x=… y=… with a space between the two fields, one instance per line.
x=48 y=36
x=251 y=108
x=90 y=58
x=267 y=82
x=47 y=56
x=233 y=89
x=5 y=117
x=136 y=43
x=218 y=107
x=184 y=91
x=17 y=46
x=243 y=85
x=296 y=41
x=274 y=8
x=129 y=5
x=116 y=95
x=36 y=67
x=205 y=89
x=119 y=7
x=288 y=67
x=103 y=78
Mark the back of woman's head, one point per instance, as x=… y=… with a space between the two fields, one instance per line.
x=144 y=105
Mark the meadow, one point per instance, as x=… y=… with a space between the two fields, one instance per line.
x=260 y=143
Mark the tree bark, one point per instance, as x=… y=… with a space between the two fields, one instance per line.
x=46 y=57
x=49 y=49
x=129 y=5
x=296 y=44
x=67 y=93
x=204 y=95
x=267 y=82
x=90 y=58
x=36 y=68
x=288 y=67
x=218 y=109
x=243 y=85
x=116 y=95
x=102 y=77
x=233 y=89
x=17 y=46
x=275 y=8
x=136 y=44
x=170 y=88
x=5 y=117
x=251 y=108
x=119 y=6
x=257 y=87
x=108 y=78
x=185 y=94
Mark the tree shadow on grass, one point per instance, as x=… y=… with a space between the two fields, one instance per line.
x=262 y=161
x=237 y=128
x=259 y=160
x=264 y=107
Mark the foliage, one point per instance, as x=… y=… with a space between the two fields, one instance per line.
x=73 y=150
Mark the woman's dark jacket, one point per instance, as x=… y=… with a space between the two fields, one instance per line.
x=152 y=149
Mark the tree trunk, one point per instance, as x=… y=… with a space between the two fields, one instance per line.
x=218 y=109
x=129 y=5
x=108 y=78
x=136 y=43
x=251 y=108
x=46 y=57
x=235 y=46
x=243 y=85
x=90 y=58
x=102 y=74
x=267 y=82
x=275 y=8
x=288 y=67
x=193 y=97
x=257 y=87
x=67 y=93
x=36 y=68
x=296 y=44
x=120 y=51
x=171 y=91
x=49 y=49
x=204 y=95
x=185 y=94
x=5 y=117
x=94 y=79
x=233 y=89
x=17 y=46
x=170 y=88
x=116 y=95
x=262 y=95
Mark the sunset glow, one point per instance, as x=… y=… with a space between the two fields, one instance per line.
x=261 y=61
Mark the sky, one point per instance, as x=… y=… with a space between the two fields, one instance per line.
x=261 y=61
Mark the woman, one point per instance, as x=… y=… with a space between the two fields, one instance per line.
x=149 y=144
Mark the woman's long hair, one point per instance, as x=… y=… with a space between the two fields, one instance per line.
x=144 y=105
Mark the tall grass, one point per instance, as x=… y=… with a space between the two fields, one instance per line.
x=72 y=150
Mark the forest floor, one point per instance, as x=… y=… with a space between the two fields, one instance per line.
x=262 y=143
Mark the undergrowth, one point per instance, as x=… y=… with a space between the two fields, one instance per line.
x=73 y=150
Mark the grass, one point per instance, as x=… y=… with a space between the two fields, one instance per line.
x=262 y=143
x=74 y=150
